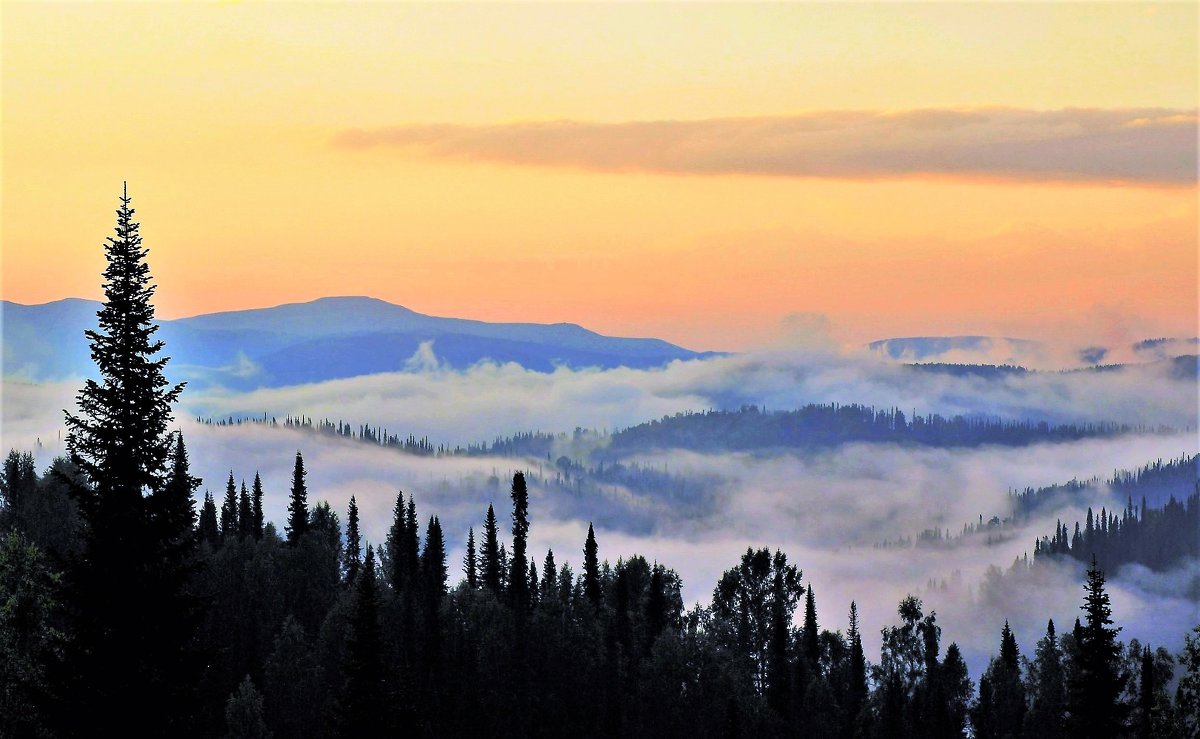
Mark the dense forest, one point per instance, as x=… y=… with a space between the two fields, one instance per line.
x=125 y=610
x=749 y=428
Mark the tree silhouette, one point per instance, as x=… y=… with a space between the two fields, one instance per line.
x=119 y=441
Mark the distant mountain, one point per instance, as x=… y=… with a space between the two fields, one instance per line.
x=324 y=339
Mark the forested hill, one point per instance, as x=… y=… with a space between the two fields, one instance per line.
x=1154 y=484
x=749 y=428
x=752 y=428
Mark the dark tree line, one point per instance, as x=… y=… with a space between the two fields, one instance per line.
x=123 y=611
x=1155 y=537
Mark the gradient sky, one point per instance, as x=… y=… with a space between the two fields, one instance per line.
x=699 y=173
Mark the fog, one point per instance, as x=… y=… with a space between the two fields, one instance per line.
x=826 y=510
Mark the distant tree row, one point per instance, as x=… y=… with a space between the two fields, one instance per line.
x=1155 y=537
x=825 y=425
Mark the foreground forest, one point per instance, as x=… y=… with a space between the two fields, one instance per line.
x=127 y=609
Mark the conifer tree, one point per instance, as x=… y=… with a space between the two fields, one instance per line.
x=297 y=523
x=470 y=561
x=656 y=606
x=856 y=693
x=208 y=528
x=245 y=514
x=591 y=569
x=411 y=541
x=549 y=579
x=518 y=578
x=172 y=509
x=956 y=690
x=244 y=713
x=396 y=566
x=1000 y=712
x=119 y=442
x=812 y=643
x=256 y=492
x=1187 y=693
x=229 y=511
x=779 y=668
x=1047 y=689
x=352 y=554
x=491 y=553
x=433 y=559
x=362 y=700
x=1094 y=697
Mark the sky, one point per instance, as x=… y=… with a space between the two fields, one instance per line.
x=704 y=174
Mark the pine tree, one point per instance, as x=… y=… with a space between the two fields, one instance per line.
x=549 y=579
x=245 y=514
x=518 y=588
x=229 y=511
x=352 y=554
x=297 y=523
x=1187 y=693
x=491 y=553
x=244 y=713
x=1047 y=690
x=411 y=542
x=120 y=444
x=779 y=667
x=1000 y=712
x=172 y=509
x=1094 y=699
x=433 y=559
x=591 y=570
x=396 y=566
x=856 y=693
x=470 y=561
x=812 y=644
x=257 y=506
x=362 y=701
x=956 y=690
x=208 y=527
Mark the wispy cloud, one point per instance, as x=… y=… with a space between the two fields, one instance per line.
x=1136 y=145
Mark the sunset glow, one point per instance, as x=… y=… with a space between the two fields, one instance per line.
x=279 y=153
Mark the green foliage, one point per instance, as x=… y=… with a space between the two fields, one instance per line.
x=297 y=523
x=1094 y=706
x=29 y=640
x=244 y=713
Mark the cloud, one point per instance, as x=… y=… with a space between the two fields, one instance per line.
x=824 y=509
x=1087 y=145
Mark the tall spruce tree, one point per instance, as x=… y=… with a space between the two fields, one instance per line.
x=256 y=492
x=471 y=562
x=352 y=554
x=1097 y=678
x=1047 y=703
x=491 y=553
x=361 y=703
x=209 y=529
x=1000 y=712
x=518 y=588
x=395 y=544
x=591 y=569
x=297 y=523
x=812 y=643
x=856 y=691
x=229 y=511
x=779 y=666
x=119 y=441
x=245 y=514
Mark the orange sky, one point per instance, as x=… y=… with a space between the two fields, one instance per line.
x=987 y=210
